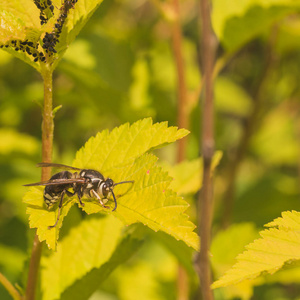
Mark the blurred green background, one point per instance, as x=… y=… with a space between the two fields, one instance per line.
x=121 y=68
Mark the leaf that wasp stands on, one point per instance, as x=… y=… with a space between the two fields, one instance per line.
x=277 y=246
x=109 y=150
x=40 y=217
x=123 y=155
x=149 y=200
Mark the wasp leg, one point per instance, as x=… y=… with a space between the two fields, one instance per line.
x=79 y=193
x=99 y=199
x=59 y=208
x=70 y=194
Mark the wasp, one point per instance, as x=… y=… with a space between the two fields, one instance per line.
x=75 y=181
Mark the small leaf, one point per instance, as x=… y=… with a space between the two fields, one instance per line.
x=276 y=247
x=88 y=245
x=87 y=285
x=188 y=174
x=41 y=218
x=56 y=109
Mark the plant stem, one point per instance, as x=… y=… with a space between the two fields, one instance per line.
x=182 y=120
x=10 y=288
x=47 y=145
x=208 y=144
x=182 y=112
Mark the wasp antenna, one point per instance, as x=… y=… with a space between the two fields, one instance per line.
x=114 y=200
x=130 y=181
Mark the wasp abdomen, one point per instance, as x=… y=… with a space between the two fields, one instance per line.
x=52 y=193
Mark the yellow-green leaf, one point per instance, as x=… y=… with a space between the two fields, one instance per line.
x=268 y=254
x=188 y=174
x=88 y=245
x=40 y=217
x=122 y=155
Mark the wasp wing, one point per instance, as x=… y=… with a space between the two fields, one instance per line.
x=59 y=166
x=58 y=182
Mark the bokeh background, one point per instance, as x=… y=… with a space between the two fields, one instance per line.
x=121 y=68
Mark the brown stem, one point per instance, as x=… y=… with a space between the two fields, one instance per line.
x=182 y=114
x=208 y=145
x=47 y=143
x=182 y=120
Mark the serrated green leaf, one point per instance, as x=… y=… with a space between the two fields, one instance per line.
x=268 y=254
x=226 y=245
x=41 y=218
x=123 y=155
x=77 y=18
x=290 y=220
x=124 y=144
x=88 y=245
x=20 y=20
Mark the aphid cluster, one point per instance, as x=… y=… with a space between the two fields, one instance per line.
x=83 y=182
x=29 y=47
x=46 y=7
x=50 y=40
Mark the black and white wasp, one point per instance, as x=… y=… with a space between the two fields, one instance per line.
x=82 y=182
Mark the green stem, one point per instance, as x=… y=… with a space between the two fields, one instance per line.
x=10 y=288
x=47 y=145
